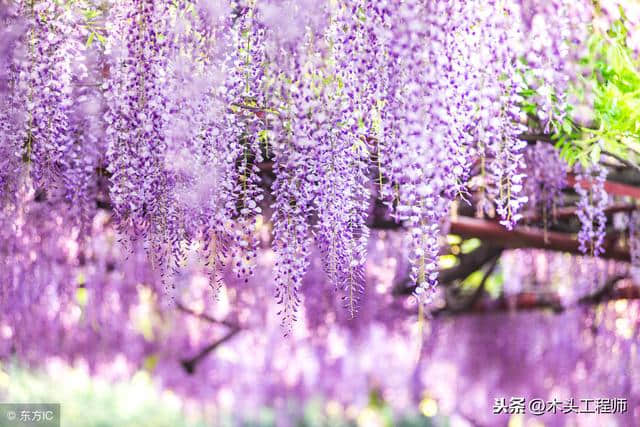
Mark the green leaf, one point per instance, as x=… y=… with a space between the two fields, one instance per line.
x=91 y=14
x=82 y=296
x=470 y=245
x=595 y=153
x=528 y=92
x=90 y=39
x=453 y=239
x=447 y=261
x=150 y=363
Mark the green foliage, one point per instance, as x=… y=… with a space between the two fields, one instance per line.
x=470 y=245
x=614 y=79
x=93 y=402
x=91 y=18
x=493 y=283
x=90 y=402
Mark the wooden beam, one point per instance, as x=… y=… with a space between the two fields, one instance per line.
x=569 y=211
x=611 y=187
x=527 y=237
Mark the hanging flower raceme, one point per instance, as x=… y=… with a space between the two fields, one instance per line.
x=245 y=95
x=634 y=245
x=45 y=123
x=411 y=164
x=183 y=149
x=500 y=129
x=193 y=109
x=546 y=178
x=464 y=91
x=50 y=138
x=556 y=32
x=12 y=116
x=589 y=185
x=345 y=108
x=11 y=33
x=135 y=116
x=154 y=131
x=298 y=138
x=210 y=181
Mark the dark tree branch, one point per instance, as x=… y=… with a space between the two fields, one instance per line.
x=468 y=263
x=204 y=316
x=532 y=138
x=622 y=160
x=480 y=289
x=526 y=301
x=604 y=292
x=474 y=297
x=191 y=364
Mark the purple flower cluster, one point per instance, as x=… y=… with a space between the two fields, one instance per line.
x=135 y=117
x=502 y=148
x=11 y=104
x=176 y=122
x=557 y=32
x=13 y=27
x=593 y=201
x=179 y=115
x=48 y=132
x=546 y=178
x=634 y=245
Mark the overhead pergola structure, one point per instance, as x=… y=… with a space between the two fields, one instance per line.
x=533 y=232
x=559 y=235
